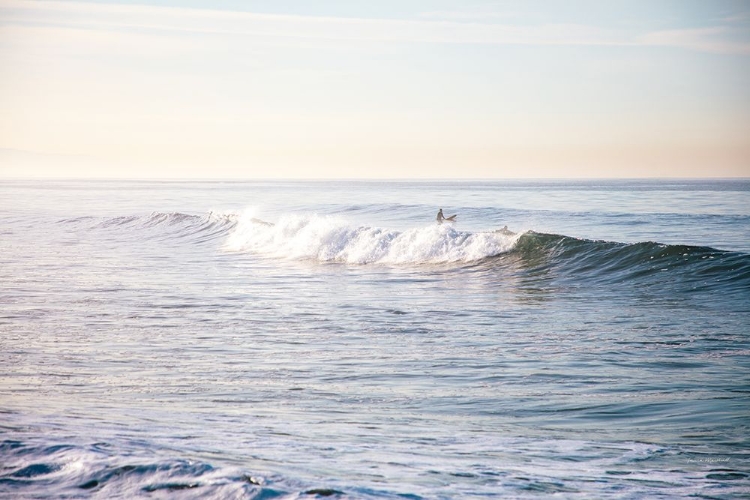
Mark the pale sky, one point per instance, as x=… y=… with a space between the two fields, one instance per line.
x=374 y=89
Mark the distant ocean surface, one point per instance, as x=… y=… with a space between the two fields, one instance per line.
x=217 y=339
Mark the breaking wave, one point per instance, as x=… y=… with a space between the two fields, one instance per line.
x=332 y=239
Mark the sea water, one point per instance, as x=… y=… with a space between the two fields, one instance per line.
x=329 y=339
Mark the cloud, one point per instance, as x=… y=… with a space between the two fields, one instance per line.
x=712 y=39
x=742 y=17
x=475 y=15
x=165 y=20
x=116 y=16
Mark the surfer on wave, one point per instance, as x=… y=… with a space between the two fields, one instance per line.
x=441 y=217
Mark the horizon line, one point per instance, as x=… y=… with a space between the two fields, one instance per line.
x=367 y=179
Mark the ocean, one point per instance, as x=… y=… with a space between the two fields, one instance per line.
x=329 y=339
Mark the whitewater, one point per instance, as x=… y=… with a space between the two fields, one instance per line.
x=279 y=339
x=332 y=239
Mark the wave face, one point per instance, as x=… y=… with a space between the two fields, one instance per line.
x=690 y=267
x=332 y=239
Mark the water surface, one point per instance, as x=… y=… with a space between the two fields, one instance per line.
x=284 y=339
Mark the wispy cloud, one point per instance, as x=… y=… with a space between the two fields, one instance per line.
x=742 y=17
x=713 y=39
x=474 y=15
x=444 y=30
x=74 y=14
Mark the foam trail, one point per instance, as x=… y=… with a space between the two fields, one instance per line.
x=332 y=239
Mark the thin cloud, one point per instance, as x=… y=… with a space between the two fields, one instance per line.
x=712 y=39
x=76 y=14
x=170 y=19
x=450 y=15
x=742 y=17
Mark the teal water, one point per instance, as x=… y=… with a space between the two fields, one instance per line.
x=302 y=339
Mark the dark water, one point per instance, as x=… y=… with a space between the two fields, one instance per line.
x=302 y=339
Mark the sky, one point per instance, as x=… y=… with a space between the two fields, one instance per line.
x=375 y=89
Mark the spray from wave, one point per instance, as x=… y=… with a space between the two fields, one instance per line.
x=332 y=239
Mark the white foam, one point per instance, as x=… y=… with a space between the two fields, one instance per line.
x=333 y=239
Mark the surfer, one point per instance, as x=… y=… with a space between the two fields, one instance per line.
x=441 y=217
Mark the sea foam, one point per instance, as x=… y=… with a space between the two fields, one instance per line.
x=334 y=239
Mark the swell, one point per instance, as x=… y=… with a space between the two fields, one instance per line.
x=688 y=267
x=333 y=239
x=164 y=225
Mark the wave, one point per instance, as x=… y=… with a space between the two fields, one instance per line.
x=93 y=471
x=332 y=239
x=199 y=228
x=42 y=468
x=695 y=267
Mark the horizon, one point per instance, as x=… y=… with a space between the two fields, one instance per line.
x=383 y=179
x=227 y=90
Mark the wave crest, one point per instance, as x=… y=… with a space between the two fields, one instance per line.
x=332 y=239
